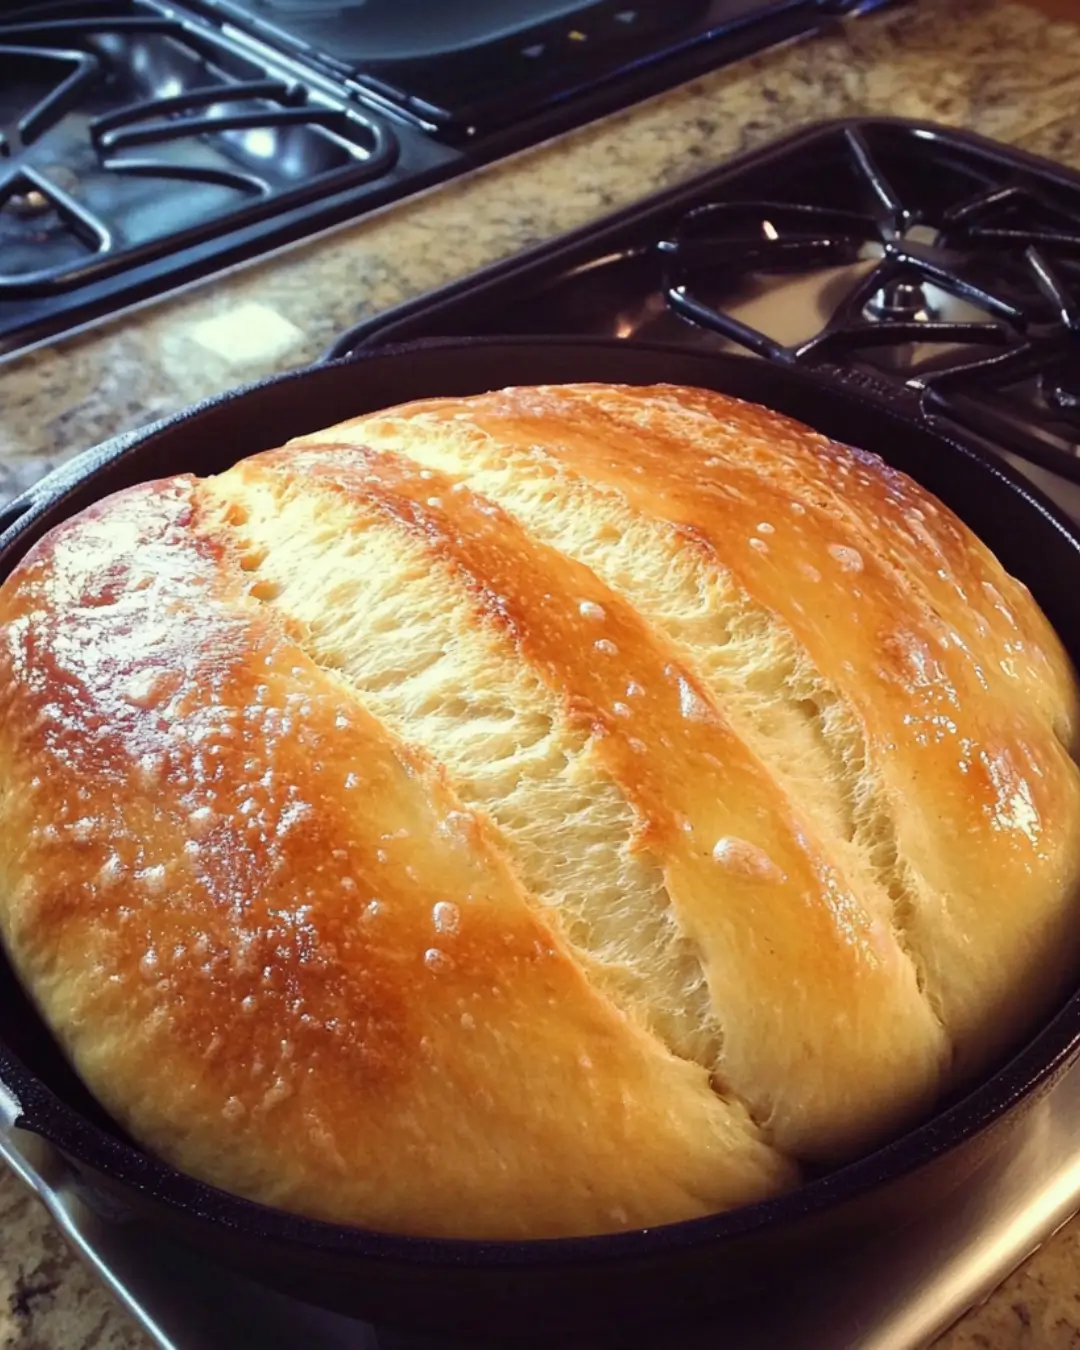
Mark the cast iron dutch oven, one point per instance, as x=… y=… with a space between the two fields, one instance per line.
x=561 y=1287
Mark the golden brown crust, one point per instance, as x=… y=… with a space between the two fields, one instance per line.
x=275 y=946
x=311 y=775
x=965 y=699
x=704 y=807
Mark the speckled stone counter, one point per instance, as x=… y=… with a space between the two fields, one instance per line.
x=998 y=68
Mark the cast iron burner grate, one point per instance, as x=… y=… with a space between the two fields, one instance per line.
x=124 y=131
x=934 y=267
x=975 y=306
x=144 y=144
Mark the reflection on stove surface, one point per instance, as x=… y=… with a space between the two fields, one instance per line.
x=470 y=69
x=401 y=30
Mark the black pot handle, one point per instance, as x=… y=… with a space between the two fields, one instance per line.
x=13 y=511
x=47 y=489
x=897 y=398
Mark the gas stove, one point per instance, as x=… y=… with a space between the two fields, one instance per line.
x=144 y=144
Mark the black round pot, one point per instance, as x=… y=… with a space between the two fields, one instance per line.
x=574 y=1286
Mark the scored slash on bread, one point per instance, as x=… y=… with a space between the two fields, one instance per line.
x=556 y=811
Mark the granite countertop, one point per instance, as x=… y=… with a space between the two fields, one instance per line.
x=1002 y=69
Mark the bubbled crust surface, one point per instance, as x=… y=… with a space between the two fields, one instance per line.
x=544 y=813
x=230 y=918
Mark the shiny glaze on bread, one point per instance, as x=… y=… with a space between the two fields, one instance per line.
x=551 y=812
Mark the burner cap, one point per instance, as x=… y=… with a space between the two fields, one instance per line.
x=33 y=202
x=1059 y=391
x=900 y=299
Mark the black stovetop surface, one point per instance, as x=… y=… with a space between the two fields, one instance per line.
x=467 y=69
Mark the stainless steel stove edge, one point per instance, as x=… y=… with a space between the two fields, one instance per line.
x=45 y=1173
x=902 y=1296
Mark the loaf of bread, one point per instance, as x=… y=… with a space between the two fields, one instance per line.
x=552 y=812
